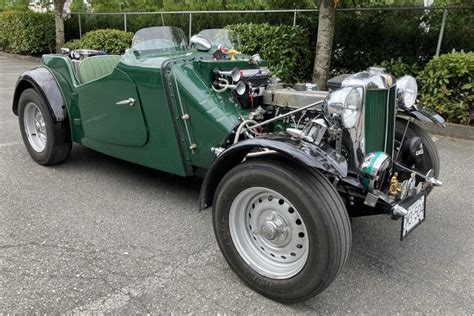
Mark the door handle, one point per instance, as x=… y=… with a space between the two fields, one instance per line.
x=129 y=102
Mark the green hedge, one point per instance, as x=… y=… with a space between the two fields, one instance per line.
x=108 y=40
x=27 y=32
x=287 y=48
x=446 y=86
x=399 y=68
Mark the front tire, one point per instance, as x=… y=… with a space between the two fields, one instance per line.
x=283 y=229
x=47 y=143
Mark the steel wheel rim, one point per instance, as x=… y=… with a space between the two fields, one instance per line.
x=35 y=127
x=268 y=233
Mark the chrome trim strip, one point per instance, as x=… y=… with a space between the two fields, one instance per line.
x=395 y=110
x=387 y=106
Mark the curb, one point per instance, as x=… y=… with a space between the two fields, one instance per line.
x=451 y=130
x=22 y=57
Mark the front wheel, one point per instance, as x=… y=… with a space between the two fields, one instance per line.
x=284 y=230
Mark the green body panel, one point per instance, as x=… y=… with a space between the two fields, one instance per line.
x=379 y=120
x=104 y=120
x=160 y=151
x=61 y=68
x=212 y=115
x=152 y=132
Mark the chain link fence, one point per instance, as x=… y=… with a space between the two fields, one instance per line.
x=442 y=20
x=363 y=37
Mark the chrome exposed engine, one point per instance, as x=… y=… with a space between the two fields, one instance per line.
x=290 y=97
x=353 y=124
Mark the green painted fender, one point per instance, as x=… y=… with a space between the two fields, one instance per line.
x=306 y=154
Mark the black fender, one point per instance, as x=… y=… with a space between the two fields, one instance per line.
x=301 y=152
x=423 y=114
x=42 y=80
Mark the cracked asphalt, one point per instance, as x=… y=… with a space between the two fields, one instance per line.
x=96 y=234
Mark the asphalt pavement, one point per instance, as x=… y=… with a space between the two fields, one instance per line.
x=97 y=234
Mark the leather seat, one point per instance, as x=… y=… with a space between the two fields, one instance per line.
x=93 y=68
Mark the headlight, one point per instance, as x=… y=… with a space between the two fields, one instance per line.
x=347 y=104
x=407 y=91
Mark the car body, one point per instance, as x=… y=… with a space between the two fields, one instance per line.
x=284 y=165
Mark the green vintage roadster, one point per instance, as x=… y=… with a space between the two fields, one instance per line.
x=284 y=166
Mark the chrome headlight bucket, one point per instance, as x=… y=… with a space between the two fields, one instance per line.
x=407 y=91
x=345 y=103
x=375 y=170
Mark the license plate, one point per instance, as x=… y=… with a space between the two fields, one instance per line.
x=415 y=216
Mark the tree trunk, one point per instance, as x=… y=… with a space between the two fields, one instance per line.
x=59 y=24
x=326 y=27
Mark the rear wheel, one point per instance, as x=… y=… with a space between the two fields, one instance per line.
x=46 y=143
x=284 y=230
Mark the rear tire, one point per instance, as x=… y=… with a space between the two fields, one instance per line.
x=302 y=237
x=47 y=143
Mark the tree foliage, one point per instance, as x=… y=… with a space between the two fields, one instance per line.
x=182 y=5
x=127 y=6
x=399 y=3
x=13 y=5
x=78 y=6
x=198 y=5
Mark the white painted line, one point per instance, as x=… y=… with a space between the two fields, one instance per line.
x=10 y=144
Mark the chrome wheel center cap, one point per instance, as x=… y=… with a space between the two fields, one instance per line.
x=273 y=228
x=269 y=230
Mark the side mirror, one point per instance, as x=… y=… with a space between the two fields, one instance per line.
x=200 y=43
